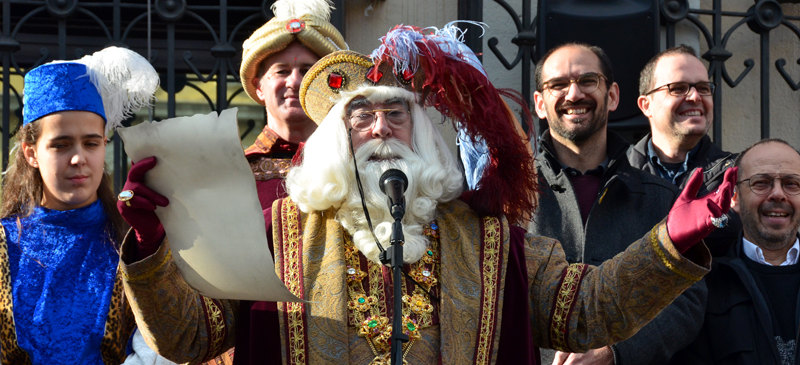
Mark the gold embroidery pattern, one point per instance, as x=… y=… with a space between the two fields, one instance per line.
x=565 y=298
x=660 y=253
x=216 y=324
x=490 y=262
x=270 y=168
x=369 y=312
x=293 y=280
x=10 y=352
x=149 y=273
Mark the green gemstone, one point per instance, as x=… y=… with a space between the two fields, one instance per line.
x=372 y=323
x=361 y=300
x=430 y=253
x=411 y=326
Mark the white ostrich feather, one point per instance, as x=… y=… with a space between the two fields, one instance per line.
x=293 y=9
x=125 y=79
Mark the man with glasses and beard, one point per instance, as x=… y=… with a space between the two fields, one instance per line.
x=592 y=200
x=477 y=288
x=678 y=100
x=751 y=315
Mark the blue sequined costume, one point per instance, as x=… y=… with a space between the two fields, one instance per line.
x=63 y=271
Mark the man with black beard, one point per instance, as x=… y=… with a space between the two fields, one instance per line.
x=751 y=315
x=477 y=290
x=592 y=200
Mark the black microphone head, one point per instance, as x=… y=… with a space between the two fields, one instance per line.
x=393 y=174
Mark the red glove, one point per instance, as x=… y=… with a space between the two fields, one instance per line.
x=689 y=220
x=140 y=212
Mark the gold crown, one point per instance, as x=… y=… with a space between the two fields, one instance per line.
x=345 y=71
x=319 y=35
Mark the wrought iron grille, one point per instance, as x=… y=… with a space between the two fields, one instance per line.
x=191 y=46
x=761 y=18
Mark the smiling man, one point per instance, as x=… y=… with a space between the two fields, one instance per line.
x=678 y=99
x=752 y=308
x=592 y=200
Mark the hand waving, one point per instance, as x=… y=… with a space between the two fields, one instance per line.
x=691 y=218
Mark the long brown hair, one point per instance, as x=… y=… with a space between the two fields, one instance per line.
x=23 y=187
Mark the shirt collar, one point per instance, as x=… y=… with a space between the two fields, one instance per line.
x=665 y=172
x=755 y=253
x=598 y=171
x=268 y=142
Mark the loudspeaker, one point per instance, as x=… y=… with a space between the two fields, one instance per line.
x=628 y=30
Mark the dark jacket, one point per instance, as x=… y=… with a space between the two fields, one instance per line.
x=714 y=162
x=630 y=202
x=738 y=325
x=711 y=158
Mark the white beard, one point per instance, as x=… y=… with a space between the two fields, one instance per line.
x=375 y=157
x=325 y=179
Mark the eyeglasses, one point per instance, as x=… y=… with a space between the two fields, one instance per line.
x=364 y=120
x=683 y=88
x=559 y=86
x=762 y=184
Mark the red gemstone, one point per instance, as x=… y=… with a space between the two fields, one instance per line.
x=408 y=75
x=374 y=75
x=335 y=80
x=295 y=26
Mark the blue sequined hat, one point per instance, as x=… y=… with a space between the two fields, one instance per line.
x=112 y=83
x=57 y=87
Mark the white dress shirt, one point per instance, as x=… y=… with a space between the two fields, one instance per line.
x=755 y=253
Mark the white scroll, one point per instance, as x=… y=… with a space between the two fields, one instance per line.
x=214 y=221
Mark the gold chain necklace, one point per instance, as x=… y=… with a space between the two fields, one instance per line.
x=368 y=312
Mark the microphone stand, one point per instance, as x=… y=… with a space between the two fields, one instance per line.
x=394 y=257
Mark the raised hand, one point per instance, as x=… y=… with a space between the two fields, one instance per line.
x=691 y=218
x=137 y=204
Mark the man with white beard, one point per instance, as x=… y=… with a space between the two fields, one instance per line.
x=477 y=289
x=326 y=179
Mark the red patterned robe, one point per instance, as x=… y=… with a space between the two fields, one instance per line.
x=270 y=158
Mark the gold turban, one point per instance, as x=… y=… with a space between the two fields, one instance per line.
x=307 y=21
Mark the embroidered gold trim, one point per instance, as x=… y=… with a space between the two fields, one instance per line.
x=216 y=323
x=368 y=312
x=10 y=352
x=563 y=305
x=349 y=58
x=293 y=277
x=491 y=263
x=270 y=168
x=665 y=259
x=147 y=274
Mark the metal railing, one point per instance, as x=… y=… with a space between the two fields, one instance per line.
x=189 y=45
x=761 y=18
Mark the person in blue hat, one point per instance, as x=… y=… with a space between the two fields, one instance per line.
x=61 y=297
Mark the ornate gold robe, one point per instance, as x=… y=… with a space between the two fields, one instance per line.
x=570 y=307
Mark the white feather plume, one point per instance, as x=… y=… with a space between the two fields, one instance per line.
x=293 y=9
x=125 y=79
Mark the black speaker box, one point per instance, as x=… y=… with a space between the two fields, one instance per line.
x=628 y=30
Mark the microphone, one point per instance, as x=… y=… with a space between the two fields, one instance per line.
x=393 y=183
